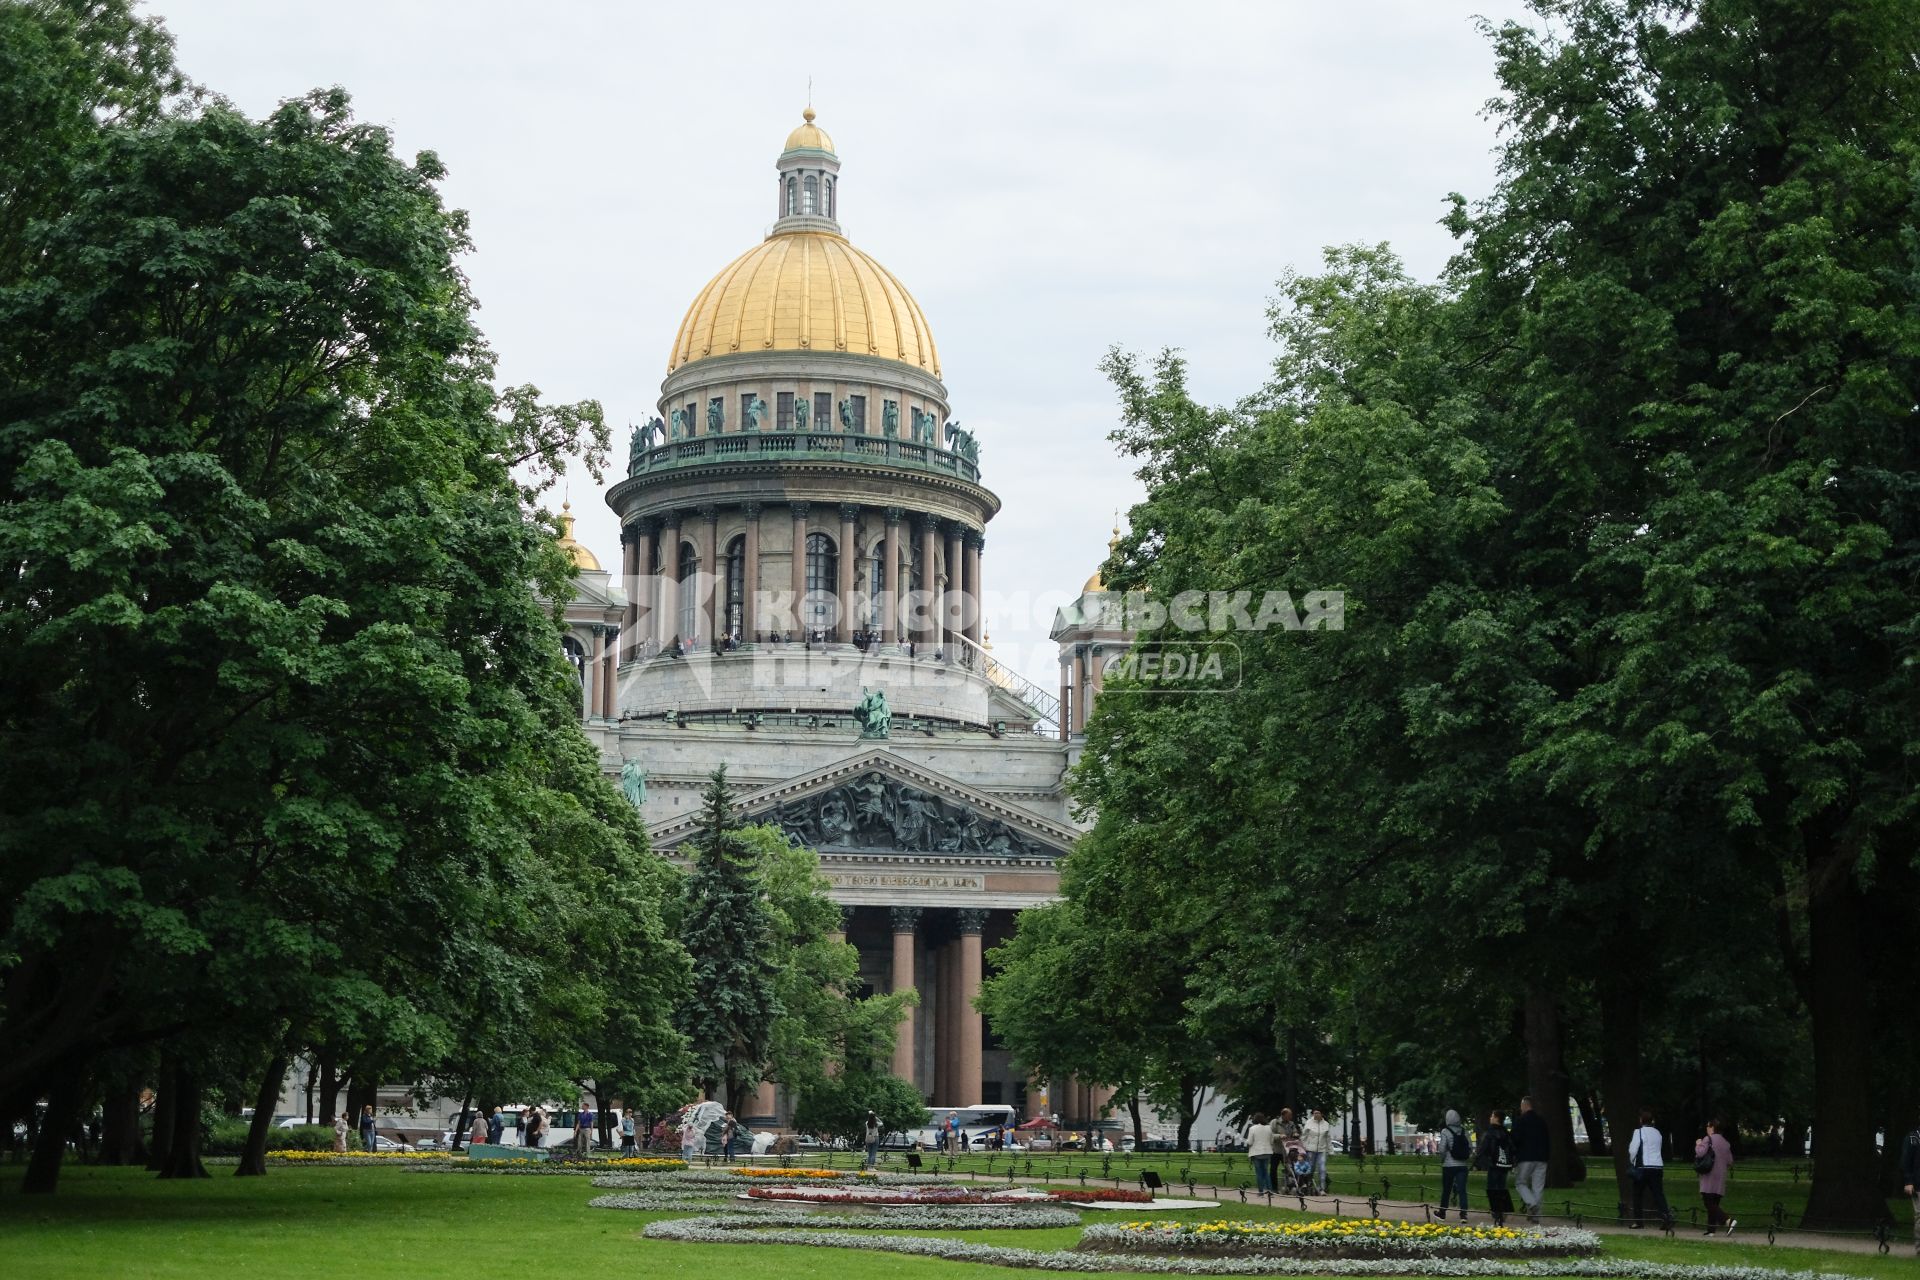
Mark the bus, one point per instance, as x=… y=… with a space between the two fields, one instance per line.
x=979 y=1119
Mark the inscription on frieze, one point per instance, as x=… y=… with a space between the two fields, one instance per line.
x=904 y=880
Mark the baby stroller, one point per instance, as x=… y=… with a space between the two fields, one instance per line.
x=1296 y=1171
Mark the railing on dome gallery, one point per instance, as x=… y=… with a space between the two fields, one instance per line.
x=852 y=446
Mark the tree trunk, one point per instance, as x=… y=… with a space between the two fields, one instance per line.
x=120 y=1124
x=1620 y=1075
x=50 y=1143
x=1547 y=1079
x=1373 y=1136
x=313 y=1082
x=1590 y=1117
x=183 y=1152
x=329 y=1091
x=465 y=1122
x=1844 y=1192
x=1293 y=1072
x=166 y=1100
x=253 y=1161
x=1139 y=1130
x=360 y=1096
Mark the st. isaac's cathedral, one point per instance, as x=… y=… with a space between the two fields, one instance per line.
x=802 y=552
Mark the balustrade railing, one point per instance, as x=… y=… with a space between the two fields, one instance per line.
x=793 y=446
x=1045 y=706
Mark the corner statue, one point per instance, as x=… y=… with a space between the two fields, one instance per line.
x=633 y=781
x=875 y=720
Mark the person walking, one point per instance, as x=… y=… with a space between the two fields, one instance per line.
x=1285 y=1131
x=340 y=1133
x=1456 y=1155
x=628 y=1132
x=1317 y=1136
x=1647 y=1166
x=1532 y=1149
x=496 y=1127
x=1713 y=1161
x=1494 y=1157
x=726 y=1140
x=536 y=1125
x=1910 y=1180
x=1260 y=1152
x=478 y=1135
x=870 y=1139
x=367 y=1138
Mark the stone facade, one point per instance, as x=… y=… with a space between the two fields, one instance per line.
x=777 y=572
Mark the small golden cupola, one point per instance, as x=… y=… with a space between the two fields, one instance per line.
x=582 y=557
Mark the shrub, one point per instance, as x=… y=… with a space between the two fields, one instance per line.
x=228 y=1137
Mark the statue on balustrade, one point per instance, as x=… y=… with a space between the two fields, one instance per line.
x=679 y=427
x=846 y=414
x=636 y=447
x=633 y=782
x=963 y=443
x=801 y=412
x=890 y=417
x=875 y=720
x=756 y=413
x=716 y=415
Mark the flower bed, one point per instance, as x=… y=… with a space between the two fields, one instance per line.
x=1093 y=1195
x=353 y=1157
x=894 y=1196
x=767 y=1230
x=701 y=1177
x=1335 y=1238
x=753 y=1217
x=770 y=1174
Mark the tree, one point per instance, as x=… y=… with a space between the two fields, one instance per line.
x=728 y=932
x=290 y=746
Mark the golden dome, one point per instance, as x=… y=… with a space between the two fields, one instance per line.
x=805 y=291
x=809 y=136
x=582 y=557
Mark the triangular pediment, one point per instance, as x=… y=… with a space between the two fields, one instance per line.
x=878 y=803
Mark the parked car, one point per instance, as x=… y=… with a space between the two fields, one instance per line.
x=381 y=1142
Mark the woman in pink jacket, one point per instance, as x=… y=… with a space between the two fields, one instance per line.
x=1713 y=1178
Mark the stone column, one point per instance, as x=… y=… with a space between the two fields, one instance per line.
x=669 y=626
x=944 y=970
x=644 y=586
x=890 y=580
x=1066 y=698
x=629 y=582
x=928 y=632
x=906 y=924
x=976 y=616
x=750 y=576
x=609 y=666
x=971 y=1041
x=590 y=675
x=952 y=606
x=799 y=567
x=709 y=616
x=844 y=589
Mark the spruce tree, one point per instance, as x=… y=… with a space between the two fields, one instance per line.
x=729 y=936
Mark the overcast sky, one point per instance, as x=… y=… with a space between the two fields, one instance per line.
x=1049 y=180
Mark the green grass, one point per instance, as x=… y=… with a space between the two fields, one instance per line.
x=369 y=1222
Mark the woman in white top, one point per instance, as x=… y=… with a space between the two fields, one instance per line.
x=1260 y=1152
x=1647 y=1165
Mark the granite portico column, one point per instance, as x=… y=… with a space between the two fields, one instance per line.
x=590 y=682
x=969 y=1066
x=629 y=577
x=609 y=667
x=709 y=613
x=952 y=604
x=906 y=925
x=669 y=628
x=976 y=601
x=644 y=585
x=943 y=1027
x=928 y=632
x=890 y=579
x=799 y=510
x=750 y=576
x=843 y=629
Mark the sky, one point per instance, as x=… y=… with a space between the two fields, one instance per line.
x=1049 y=180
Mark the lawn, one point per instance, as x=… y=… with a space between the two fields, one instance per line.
x=370 y=1222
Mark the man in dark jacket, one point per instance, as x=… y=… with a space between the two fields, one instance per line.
x=1910 y=1178
x=1532 y=1147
